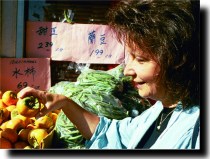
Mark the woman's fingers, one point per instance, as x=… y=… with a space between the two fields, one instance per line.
x=28 y=91
x=50 y=101
x=43 y=112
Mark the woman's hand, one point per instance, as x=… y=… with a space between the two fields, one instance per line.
x=85 y=121
x=51 y=101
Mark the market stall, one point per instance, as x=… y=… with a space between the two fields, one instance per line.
x=82 y=61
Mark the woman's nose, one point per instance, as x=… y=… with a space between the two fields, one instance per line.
x=128 y=70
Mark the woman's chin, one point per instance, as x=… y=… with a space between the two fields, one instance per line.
x=141 y=94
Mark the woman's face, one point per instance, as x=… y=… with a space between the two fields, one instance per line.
x=144 y=71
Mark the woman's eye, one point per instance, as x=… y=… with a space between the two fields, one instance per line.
x=139 y=59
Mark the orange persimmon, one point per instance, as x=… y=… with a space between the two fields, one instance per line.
x=23 y=134
x=44 y=122
x=26 y=120
x=5 y=144
x=15 y=124
x=28 y=106
x=20 y=145
x=4 y=115
x=9 y=97
x=10 y=135
x=2 y=104
x=36 y=136
x=11 y=107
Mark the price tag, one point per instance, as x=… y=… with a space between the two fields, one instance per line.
x=18 y=73
x=81 y=43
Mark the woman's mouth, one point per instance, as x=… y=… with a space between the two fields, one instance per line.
x=138 y=84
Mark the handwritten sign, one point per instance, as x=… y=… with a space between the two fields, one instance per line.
x=18 y=73
x=81 y=43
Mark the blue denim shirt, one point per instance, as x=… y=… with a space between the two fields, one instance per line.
x=126 y=133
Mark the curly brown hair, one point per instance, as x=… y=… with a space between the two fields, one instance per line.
x=169 y=30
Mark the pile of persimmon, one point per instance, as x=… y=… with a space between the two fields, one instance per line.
x=18 y=127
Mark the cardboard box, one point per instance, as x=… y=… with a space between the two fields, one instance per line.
x=47 y=141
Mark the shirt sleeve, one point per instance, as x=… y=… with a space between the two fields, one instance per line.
x=112 y=134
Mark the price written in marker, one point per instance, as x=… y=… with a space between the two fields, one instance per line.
x=81 y=43
x=18 y=73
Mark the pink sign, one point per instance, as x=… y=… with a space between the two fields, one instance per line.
x=18 y=73
x=81 y=43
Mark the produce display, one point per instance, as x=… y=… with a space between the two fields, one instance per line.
x=18 y=127
x=105 y=93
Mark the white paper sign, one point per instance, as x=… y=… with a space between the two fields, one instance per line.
x=81 y=43
x=18 y=73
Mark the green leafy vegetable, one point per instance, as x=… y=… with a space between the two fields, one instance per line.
x=105 y=93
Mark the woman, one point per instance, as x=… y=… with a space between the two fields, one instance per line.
x=161 y=38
